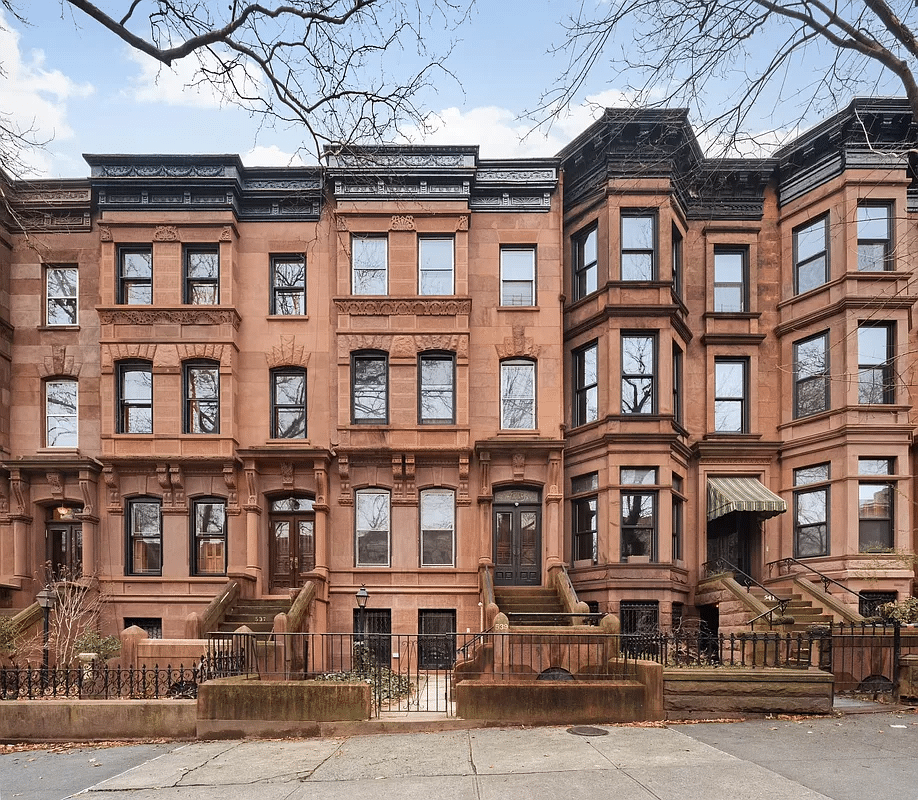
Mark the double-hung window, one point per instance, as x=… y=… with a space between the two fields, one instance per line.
x=208 y=544
x=61 y=413
x=372 y=535
x=811 y=254
x=678 y=520
x=202 y=397
x=145 y=536
x=288 y=401
x=61 y=291
x=517 y=276
x=437 y=392
x=288 y=285
x=731 y=280
x=135 y=397
x=875 y=382
x=202 y=276
x=811 y=375
x=639 y=512
x=585 y=518
x=586 y=385
x=638 y=373
x=677 y=383
x=135 y=276
x=875 y=506
x=585 y=263
x=731 y=412
x=811 y=511
x=677 y=262
x=639 y=245
x=370 y=388
x=369 y=265
x=518 y=395
x=435 y=265
x=438 y=527
x=874 y=237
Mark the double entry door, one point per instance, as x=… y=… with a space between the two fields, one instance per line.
x=517 y=537
x=292 y=532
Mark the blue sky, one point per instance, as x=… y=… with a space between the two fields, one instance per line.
x=89 y=92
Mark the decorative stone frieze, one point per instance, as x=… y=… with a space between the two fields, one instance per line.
x=519 y=345
x=226 y=235
x=59 y=363
x=420 y=307
x=200 y=350
x=462 y=224
x=402 y=223
x=287 y=474
x=404 y=346
x=105 y=233
x=122 y=351
x=166 y=233
x=169 y=316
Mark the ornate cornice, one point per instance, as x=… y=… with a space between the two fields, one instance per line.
x=389 y=306
x=196 y=315
x=187 y=170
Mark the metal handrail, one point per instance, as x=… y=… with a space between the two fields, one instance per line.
x=472 y=642
x=782 y=602
x=826 y=580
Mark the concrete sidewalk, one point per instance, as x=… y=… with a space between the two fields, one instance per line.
x=759 y=760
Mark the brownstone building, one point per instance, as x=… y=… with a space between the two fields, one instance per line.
x=413 y=364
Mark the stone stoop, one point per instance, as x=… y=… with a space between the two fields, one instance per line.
x=257 y=615
x=529 y=606
x=803 y=611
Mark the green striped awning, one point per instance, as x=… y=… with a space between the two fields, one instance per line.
x=742 y=494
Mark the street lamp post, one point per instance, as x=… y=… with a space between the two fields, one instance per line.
x=362 y=596
x=46 y=599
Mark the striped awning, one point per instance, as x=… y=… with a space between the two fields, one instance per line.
x=742 y=494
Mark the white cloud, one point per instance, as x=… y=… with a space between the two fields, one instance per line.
x=34 y=98
x=271 y=156
x=182 y=83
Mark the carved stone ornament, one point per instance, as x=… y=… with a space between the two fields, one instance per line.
x=462 y=224
x=287 y=474
x=518 y=345
x=166 y=233
x=340 y=223
x=178 y=486
x=321 y=475
x=19 y=486
x=288 y=354
x=346 y=497
x=110 y=478
x=251 y=482
x=112 y=353
x=169 y=316
x=398 y=483
x=232 y=499
x=226 y=235
x=59 y=363
x=55 y=485
x=162 y=477
x=519 y=466
x=402 y=223
x=419 y=307
x=105 y=233
x=200 y=350
x=462 y=496
x=4 y=498
x=88 y=490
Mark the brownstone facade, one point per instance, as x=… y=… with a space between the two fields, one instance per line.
x=412 y=362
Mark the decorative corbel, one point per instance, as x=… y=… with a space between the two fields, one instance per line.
x=165 y=485
x=410 y=486
x=321 y=475
x=519 y=466
x=287 y=474
x=56 y=485
x=178 y=486
x=88 y=490
x=251 y=482
x=462 y=496
x=398 y=482
x=110 y=478
x=229 y=478
x=346 y=496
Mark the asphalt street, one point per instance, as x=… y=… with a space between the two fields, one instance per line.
x=854 y=757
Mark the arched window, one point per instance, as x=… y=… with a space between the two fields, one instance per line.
x=202 y=397
x=135 y=397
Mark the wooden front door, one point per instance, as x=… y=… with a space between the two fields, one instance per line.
x=292 y=534
x=517 y=538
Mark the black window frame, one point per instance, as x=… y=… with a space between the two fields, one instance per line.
x=743 y=284
x=585 y=278
x=742 y=399
x=678 y=368
x=812 y=376
x=191 y=283
x=584 y=389
x=868 y=541
x=132 y=536
x=652 y=216
x=294 y=290
x=438 y=356
x=124 y=403
x=125 y=282
x=198 y=536
x=678 y=517
x=651 y=376
x=802 y=266
x=376 y=356
x=191 y=406
x=585 y=517
x=677 y=252
x=278 y=408
x=885 y=368
x=68 y=303
x=812 y=481
x=630 y=532
x=886 y=243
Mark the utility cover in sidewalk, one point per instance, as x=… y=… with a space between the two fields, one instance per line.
x=586 y=730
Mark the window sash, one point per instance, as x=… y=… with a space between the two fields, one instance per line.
x=145 y=537
x=436 y=257
x=874 y=236
x=638 y=247
x=202 y=399
x=811 y=376
x=61 y=294
x=811 y=254
x=209 y=537
x=372 y=547
x=639 y=524
x=730 y=281
x=517 y=276
x=585 y=535
x=875 y=516
x=730 y=389
x=517 y=396
x=135 y=276
x=638 y=394
x=586 y=391
x=811 y=522
x=369 y=265
x=288 y=285
x=370 y=391
x=875 y=364
x=585 y=263
x=202 y=277
x=437 y=393
x=438 y=527
x=61 y=413
x=288 y=399
x=135 y=384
